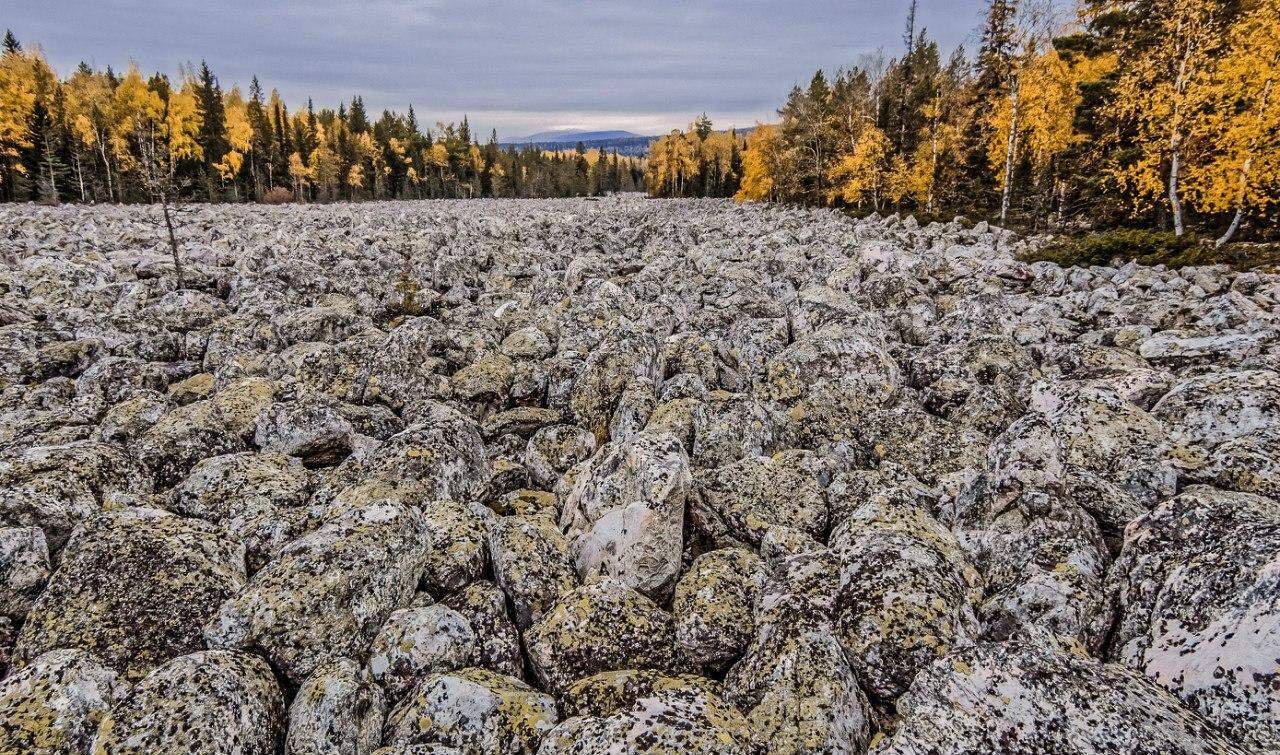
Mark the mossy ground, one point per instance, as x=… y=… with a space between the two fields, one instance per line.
x=1155 y=248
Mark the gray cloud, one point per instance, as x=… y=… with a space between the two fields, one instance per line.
x=515 y=66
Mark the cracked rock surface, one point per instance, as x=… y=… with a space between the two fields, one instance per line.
x=551 y=477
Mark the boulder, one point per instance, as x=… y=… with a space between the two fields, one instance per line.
x=737 y=503
x=329 y=592
x=1021 y=697
x=444 y=452
x=553 y=450
x=604 y=626
x=713 y=606
x=797 y=689
x=55 y=703
x=457 y=537
x=338 y=711
x=134 y=588
x=484 y=606
x=1198 y=596
x=256 y=498
x=24 y=569
x=647 y=713
x=418 y=642
x=475 y=711
x=624 y=516
x=531 y=564
x=311 y=428
x=906 y=596
x=213 y=701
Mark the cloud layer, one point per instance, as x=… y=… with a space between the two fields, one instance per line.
x=515 y=66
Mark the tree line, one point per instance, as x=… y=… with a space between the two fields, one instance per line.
x=100 y=136
x=1141 y=113
x=700 y=162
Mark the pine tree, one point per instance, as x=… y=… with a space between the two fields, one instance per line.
x=702 y=126
x=309 y=141
x=907 y=76
x=213 y=126
x=11 y=42
x=809 y=128
x=464 y=131
x=358 y=120
x=45 y=157
x=260 y=150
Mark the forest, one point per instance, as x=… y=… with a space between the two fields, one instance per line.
x=102 y=136
x=1157 y=114
x=1152 y=114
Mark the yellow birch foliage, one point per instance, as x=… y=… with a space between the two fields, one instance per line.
x=1155 y=92
x=939 y=140
x=88 y=98
x=18 y=91
x=239 y=134
x=437 y=157
x=760 y=165
x=717 y=149
x=1051 y=95
x=671 y=160
x=1242 y=120
x=864 y=174
x=135 y=110
x=182 y=124
x=17 y=98
x=298 y=170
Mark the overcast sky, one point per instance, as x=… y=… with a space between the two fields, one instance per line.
x=520 y=67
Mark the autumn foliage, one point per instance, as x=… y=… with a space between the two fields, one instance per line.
x=1147 y=113
x=105 y=136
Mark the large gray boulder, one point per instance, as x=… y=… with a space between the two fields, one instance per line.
x=135 y=588
x=337 y=710
x=329 y=592
x=56 y=703
x=634 y=711
x=1024 y=699
x=624 y=516
x=531 y=563
x=603 y=626
x=215 y=701
x=475 y=711
x=1198 y=595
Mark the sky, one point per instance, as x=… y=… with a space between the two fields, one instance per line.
x=519 y=67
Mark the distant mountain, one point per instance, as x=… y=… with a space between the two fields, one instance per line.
x=573 y=136
x=623 y=142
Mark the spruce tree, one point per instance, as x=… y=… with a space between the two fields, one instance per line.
x=309 y=141
x=11 y=43
x=213 y=126
x=358 y=119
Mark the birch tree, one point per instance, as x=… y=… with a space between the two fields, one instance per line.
x=1241 y=121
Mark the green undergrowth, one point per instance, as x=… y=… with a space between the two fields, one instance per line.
x=1154 y=248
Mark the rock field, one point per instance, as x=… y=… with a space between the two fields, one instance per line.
x=625 y=476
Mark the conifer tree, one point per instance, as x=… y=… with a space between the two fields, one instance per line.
x=213 y=127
